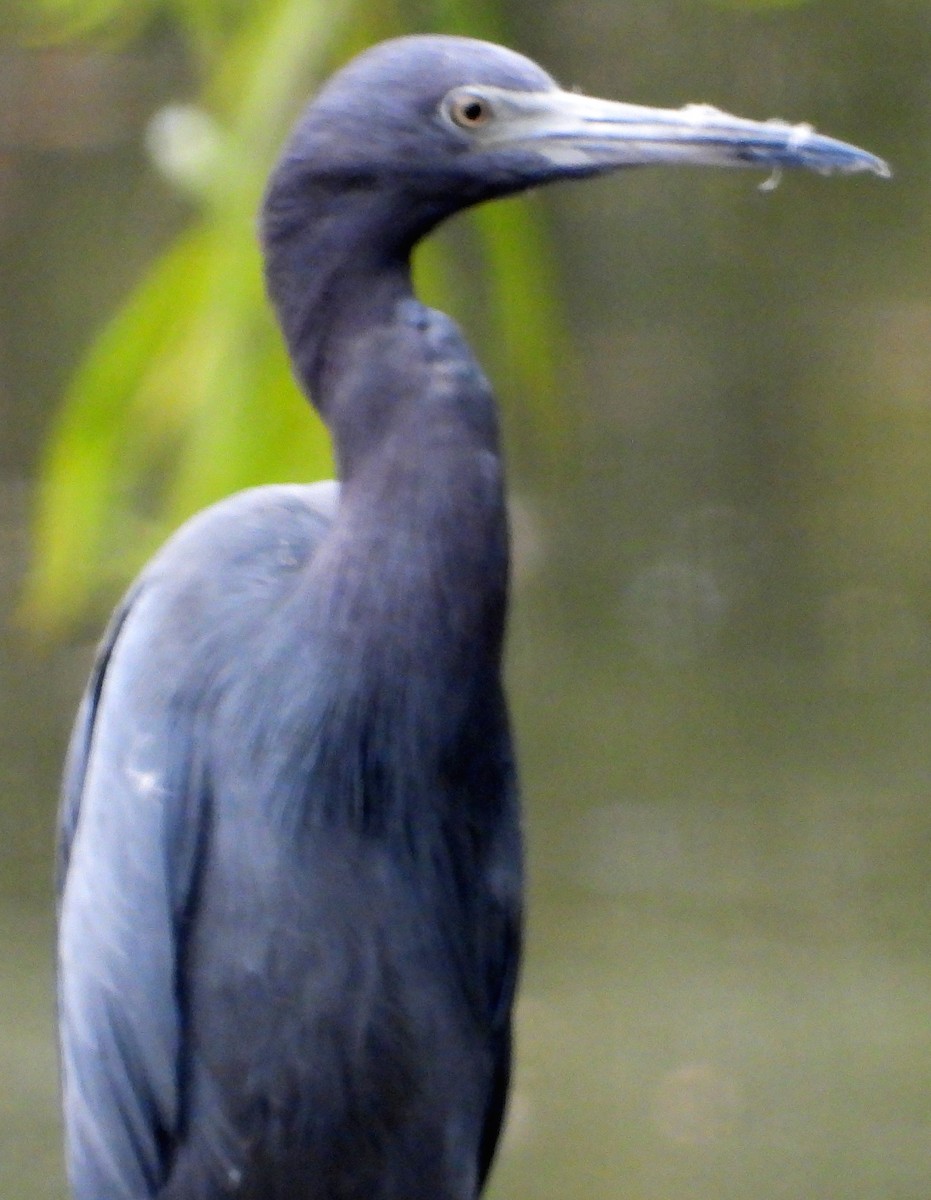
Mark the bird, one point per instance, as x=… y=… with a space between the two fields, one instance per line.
x=290 y=851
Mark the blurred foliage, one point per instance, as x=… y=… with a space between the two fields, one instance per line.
x=186 y=394
x=757 y=5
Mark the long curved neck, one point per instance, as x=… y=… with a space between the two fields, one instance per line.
x=337 y=261
x=417 y=562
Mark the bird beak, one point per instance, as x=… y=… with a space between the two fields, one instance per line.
x=584 y=135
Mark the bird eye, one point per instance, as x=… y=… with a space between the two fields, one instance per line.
x=468 y=111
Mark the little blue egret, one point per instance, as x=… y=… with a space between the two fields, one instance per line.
x=290 y=848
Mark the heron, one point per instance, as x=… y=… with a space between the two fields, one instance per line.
x=290 y=865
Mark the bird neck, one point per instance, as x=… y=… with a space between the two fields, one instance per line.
x=415 y=568
x=372 y=359
x=422 y=524
x=337 y=262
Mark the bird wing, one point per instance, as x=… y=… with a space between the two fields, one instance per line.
x=80 y=741
x=505 y=965
x=134 y=808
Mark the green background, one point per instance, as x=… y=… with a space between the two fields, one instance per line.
x=717 y=408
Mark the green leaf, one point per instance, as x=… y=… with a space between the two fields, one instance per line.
x=524 y=310
x=187 y=394
x=86 y=473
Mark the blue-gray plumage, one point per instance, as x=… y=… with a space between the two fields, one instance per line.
x=290 y=863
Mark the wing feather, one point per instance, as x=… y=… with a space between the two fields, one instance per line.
x=135 y=804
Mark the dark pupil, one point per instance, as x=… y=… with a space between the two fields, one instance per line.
x=473 y=111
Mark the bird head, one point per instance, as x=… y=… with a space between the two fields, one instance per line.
x=440 y=123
